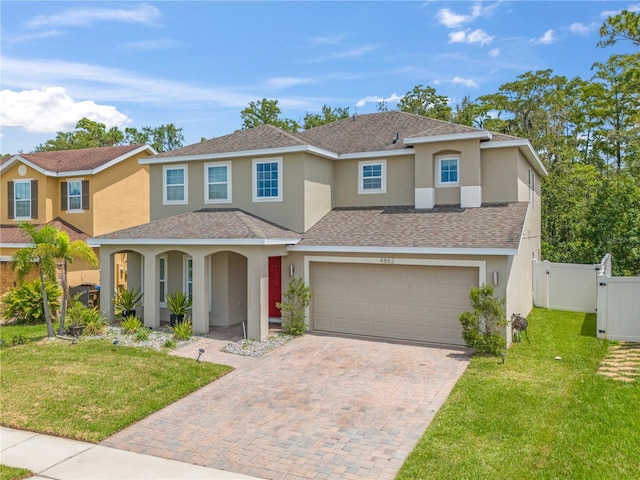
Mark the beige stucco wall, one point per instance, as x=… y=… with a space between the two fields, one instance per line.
x=400 y=183
x=318 y=188
x=288 y=213
x=499 y=175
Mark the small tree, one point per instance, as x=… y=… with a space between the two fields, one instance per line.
x=297 y=298
x=481 y=329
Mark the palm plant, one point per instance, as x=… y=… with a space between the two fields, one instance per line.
x=42 y=254
x=126 y=300
x=50 y=245
x=67 y=251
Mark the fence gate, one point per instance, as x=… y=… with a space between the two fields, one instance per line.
x=565 y=286
x=618 y=305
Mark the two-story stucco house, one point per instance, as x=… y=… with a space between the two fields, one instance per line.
x=85 y=192
x=390 y=218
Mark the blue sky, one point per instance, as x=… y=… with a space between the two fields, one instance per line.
x=198 y=64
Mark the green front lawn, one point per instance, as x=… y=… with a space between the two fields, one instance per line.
x=11 y=473
x=536 y=417
x=91 y=389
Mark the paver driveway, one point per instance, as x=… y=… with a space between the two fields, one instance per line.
x=320 y=407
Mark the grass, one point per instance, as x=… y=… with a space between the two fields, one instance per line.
x=12 y=473
x=91 y=389
x=536 y=417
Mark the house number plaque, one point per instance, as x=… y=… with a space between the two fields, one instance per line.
x=387 y=261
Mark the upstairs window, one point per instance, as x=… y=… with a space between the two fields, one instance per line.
x=74 y=195
x=22 y=199
x=217 y=183
x=449 y=171
x=532 y=189
x=175 y=184
x=267 y=180
x=372 y=176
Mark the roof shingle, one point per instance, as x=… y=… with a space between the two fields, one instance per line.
x=79 y=159
x=12 y=234
x=492 y=226
x=208 y=223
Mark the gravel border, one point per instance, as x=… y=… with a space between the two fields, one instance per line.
x=158 y=338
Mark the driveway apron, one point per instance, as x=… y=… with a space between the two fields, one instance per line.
x=319 y=407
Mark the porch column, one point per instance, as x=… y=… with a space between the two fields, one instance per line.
x=200 y=300
x=106 y=282
x=150 y=282
x=257 y=296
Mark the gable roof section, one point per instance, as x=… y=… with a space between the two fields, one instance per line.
x=490 y=229
x=209 y=226
x=85 y=160
x=376 y=132
x=258 y=138
x=12 y=236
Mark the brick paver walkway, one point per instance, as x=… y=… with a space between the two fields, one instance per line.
x=622 y=362
x=319 y=407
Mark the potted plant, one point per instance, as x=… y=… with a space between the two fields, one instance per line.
x=178 y=304
x=125 y=301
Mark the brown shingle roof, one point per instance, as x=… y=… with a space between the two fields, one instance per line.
x=264 y=136
x=79 y=159
x=12 y=234
x=375 y=132
x=361 y=133
x=492 y=226
x=208 y=223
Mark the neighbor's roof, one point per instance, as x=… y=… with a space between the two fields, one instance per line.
x=206 y=226
x=12 y=235
x=78 y=160
x=486 y=228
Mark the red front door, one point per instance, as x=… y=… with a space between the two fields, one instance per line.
x=275 y=285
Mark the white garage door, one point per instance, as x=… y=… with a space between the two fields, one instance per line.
x=392 y=301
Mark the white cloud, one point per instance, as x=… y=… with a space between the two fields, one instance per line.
x=334 y=40
x=113 y=85
x=580 y=28
x=494 y=52
x=285 y=82
x=375 y=99
x=52 y=109
x=611 y=13
x=467 y=82
x=144 y=14
x=31 y=36
x=352 y=53
x=450 y=19
x=546 y=39
x=478 y=36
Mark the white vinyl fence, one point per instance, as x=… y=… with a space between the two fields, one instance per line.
x=618 y=305
x=591 y=288
x=565 y=286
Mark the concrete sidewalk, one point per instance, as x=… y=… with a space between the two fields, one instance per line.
x=63 y=459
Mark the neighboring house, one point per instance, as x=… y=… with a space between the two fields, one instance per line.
x=85 y=192
x=390 y=218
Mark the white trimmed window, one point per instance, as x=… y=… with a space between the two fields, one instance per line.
x=532 y=189
x=217 y=182
x=372 y=176
x=162 y=279
x=74 y=195
x=22 y=199
x=174 y=184
x=448 y=171
x=267 y=180
x=188 y=276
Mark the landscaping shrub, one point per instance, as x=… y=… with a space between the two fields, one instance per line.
x=91 y=317
x=170 y=343
x=131 y=324
x=182 y=330
x=19 y=339
x=142 y=335
x=297 y=298
x=481 y=330
x=25 y=304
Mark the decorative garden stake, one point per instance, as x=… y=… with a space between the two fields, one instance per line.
x=200 y=352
